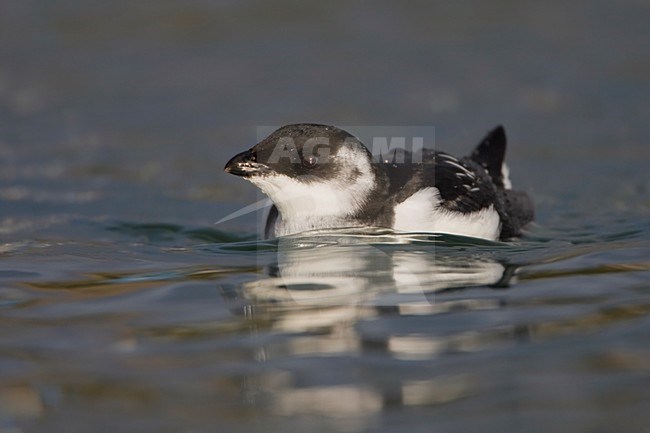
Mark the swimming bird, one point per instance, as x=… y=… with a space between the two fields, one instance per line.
x=322 y=177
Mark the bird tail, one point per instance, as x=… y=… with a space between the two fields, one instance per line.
x=490 y=154
x=518 y=208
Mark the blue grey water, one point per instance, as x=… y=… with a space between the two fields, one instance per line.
x=124 y=308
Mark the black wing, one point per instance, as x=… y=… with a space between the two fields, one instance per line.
x=464 y=185
x=271 y=220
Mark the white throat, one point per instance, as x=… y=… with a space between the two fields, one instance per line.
x=311 y=204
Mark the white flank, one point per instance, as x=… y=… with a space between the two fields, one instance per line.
x=314 y=203
x=422 y=213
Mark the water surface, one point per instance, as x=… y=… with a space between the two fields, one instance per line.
x=181 y=328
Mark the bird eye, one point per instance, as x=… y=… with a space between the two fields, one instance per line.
x=310 y=161
x=253 y=156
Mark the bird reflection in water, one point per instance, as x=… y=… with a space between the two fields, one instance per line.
x=338 y=295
